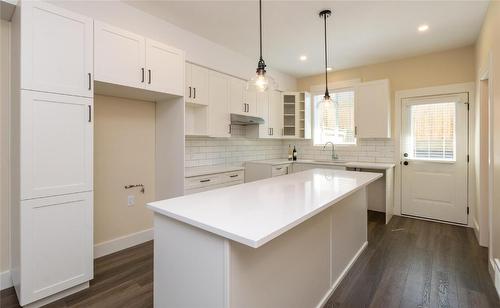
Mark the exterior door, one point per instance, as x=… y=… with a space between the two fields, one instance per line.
x=434 y=156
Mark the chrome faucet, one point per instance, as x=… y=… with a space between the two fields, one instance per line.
x=334 y=155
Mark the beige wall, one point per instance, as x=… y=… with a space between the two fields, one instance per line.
x=489 y=44
x=442 y=68
x=124 y=153
x=4 y=145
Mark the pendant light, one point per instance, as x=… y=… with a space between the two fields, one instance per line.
x=326 y=98
x=261 y=82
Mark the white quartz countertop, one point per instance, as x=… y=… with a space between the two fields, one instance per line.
x=205 y=170
x=257 y=212
x=347 y=164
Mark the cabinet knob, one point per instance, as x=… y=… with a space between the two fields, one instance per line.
x=405 y=163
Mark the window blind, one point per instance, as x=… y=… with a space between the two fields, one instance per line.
x=433 y=129
x=335 y=122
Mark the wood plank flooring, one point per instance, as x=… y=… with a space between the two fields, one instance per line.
x=409 y=263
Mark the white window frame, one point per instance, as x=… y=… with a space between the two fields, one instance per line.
x=333 y=87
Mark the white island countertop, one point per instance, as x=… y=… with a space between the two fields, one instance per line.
x=257 y=212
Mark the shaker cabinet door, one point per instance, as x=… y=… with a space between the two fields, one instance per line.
x=56 y=143
x=57 y=50
x=119 y=56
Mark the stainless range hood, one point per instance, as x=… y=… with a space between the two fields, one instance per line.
x=239 y=119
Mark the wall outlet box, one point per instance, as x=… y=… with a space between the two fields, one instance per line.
x=131 y=200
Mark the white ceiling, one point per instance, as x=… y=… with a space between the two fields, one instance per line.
x=360 y=32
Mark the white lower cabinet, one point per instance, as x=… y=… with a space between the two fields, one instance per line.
x=297 y=167
x=56 y=241
x=255 y=171
x=201 y=183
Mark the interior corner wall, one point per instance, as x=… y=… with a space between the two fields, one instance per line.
x=124 y=153
x=488 y=45
x=4 y=146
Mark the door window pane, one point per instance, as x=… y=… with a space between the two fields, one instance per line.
x=433 y=128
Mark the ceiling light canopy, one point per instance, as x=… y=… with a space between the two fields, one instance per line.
x=303 y=58
x=261 y=81
x=423 y=28
x=326 y=98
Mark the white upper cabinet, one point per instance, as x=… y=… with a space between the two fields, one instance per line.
x=243 y=102
x=219 y=118
x=56 y=143
x=128 y=59
x=276 y=114
x=237 y=96
x=250 y=98
x=56 y=50
x=373 y=109
x=119 y=56
x=196 y=84
x=263 y=112
x=165 y=68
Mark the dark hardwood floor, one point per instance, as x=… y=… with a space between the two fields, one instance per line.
x=409 y=263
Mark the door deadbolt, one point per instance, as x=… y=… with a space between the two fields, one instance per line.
x=405 y=154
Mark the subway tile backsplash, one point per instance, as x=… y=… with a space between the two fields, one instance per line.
x=366 y=150
x=204 y=151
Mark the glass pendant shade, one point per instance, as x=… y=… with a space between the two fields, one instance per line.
x=261 y=82
x=326 y=100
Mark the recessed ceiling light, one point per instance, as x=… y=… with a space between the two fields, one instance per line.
x=303 y=58
x=328 y=68
x=423 y=28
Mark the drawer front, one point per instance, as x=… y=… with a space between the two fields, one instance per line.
x=280 y=170
x=202 y=181
x=233 y=176
x=197 y=190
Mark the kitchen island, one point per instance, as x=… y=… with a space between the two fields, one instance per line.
x=279 y=242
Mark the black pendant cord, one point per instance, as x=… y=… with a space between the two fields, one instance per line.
x=327 y=95
x=260 y=27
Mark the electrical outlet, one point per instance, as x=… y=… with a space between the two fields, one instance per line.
x=131 y=200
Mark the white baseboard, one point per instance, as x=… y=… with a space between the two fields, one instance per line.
x=475 y=226
x=5 y=280
x=339 y=280
x=120 y=243
x=496 y=276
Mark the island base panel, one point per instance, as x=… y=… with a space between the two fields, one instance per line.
x=300 y=268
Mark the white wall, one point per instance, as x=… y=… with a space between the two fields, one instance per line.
x=198 y=49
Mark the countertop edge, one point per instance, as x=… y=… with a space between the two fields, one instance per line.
x=260 y=242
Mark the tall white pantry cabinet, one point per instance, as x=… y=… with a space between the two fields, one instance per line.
x=52 y=131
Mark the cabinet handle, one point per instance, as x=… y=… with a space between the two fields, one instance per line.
x=272 y=131
x=90 y=81
x=248 y=107
x=233 y=176
x=279 y=168
x=204 y=181
x=189 y=92
x=229 y=128
x=194 y=92
x=149 y=74
x=355 y=130
x=90 y=113
x=142 y=71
